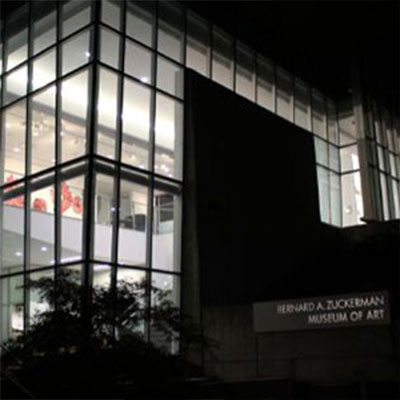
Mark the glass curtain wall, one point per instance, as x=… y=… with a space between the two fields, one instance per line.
x=91 y=149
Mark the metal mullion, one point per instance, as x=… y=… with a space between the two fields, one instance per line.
x=275 y=85
x=117 y=177
x=150 y=195
x=91 y=131
x=57 y=132
x=27 y=196
x=234 y=41
x=211 y=49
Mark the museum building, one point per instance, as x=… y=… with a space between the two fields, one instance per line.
x=115 y=163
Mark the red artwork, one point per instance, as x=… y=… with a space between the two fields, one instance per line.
x=40 y=205
x=16 y=201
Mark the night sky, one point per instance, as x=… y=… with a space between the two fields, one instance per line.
x=319 y=41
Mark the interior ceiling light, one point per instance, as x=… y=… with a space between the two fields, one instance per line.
x=18 y=253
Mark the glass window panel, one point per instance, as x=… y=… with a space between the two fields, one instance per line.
x=131 y=280
x=72 y=203
x=265 y=84
x=302 y=104
x=15 y=85
x=12 y=229
x=37 y=304
x=169 y=286
x=75 y=52
x=133 y=223
x=335 y=199
x=139 y=62
x=74 y=102
x=43 y=130
x=166 y=230
x=284 y=95
x=168 y=137
x=110 y=46
x=198 y=44
x=12 y=307
x=332 y=123
x=393 y=166
x=42 y=207
x=105 y=210
x=389 y=136
x=385 y=198
x=324 y=194
x=1 y=58
x=319 y=114
x=101 y=276
x=16 y=38
x=170 y=30
x=44 y=69
x=13 y=141
x=349 y=158
x=136 y=124
x=44 y=24
x=140 y=21
x=107 y=113
x=170 y=77
x=75 y=15
x=353 y=209
x=334 y=159
x=381 y=158
x=378 y=125
x=245 y=77
x=346 y=123
x=111 y=13
x=222 y=58
x=396 y=198
x=321 y=151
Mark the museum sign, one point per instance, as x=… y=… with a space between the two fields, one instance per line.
x=361 y=309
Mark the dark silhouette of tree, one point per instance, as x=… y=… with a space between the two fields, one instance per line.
x=94 y=344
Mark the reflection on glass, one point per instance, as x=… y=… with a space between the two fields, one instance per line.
x=43 y=130
x=111 y=13
x=44 y=69
x=168 y=284
x=284 y=94
x=101 y=276
x=169 y=77
x=130 y=280
x=75 y=15
x=74 y=94
x=75 y=52
x=132 y=224
x=346 y=123
x=334 y=158
x=170 y=30
x=222 y=58
x=37 y=304
x=332 y=123
x=166 y=230
x=42 y=208
x=385 y=197
x=245 y=77
x=168 y=140
x=335 y=199
x=140 y=21
x=109 y=47
x=16 y=38
x=72 y=202
x=324 y=195
x=197 y=44
x=15 y=85
x=302 y=104
x=135 y=124
x=319 y=114
x=321 y=151
x=349 y=158
x=44 y=25
x=265 y=84
x=13 y=142
x=12 y=307
x=107 y=113
x=138 y=62
x=105 y=209
x=352 y=202
x=12 y=210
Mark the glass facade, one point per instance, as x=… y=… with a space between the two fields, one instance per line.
x=91 y=159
